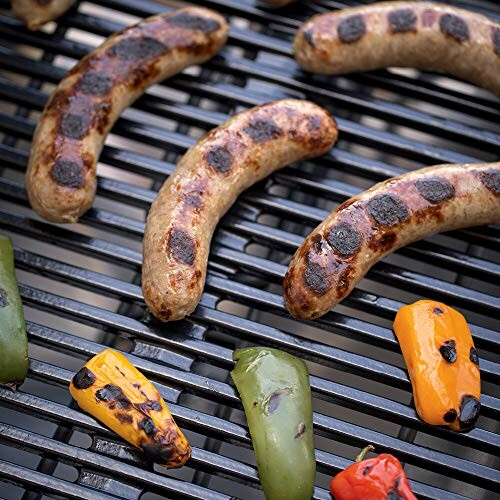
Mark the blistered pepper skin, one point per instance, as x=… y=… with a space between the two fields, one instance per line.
x=111 y=389
x=442 y=363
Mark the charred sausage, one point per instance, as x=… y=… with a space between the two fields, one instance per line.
x=392 y=214
x=61 y=176
x=422 y=35
x=206 y=182
x=35 y=13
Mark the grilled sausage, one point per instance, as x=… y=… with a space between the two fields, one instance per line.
x=206 y=182
x=423 y=35
x=392 y=214
x=35 y=13
x=61 y=176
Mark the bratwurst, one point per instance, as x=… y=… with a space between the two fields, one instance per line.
x=392 y=214
x=61 y=176
x=424 y=35
x=35 y=13
x=206 y=182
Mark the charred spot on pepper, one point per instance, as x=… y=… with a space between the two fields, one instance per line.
x=393 y=493
x=136 y=386
x=473 y=356
x=181 y=245
x=186 y=20
x=148 y=406
x=366 y=470
x=308 y=37
x=387 y=209
x=435 y=190
x=83 y=379
x=316 y=278
x=438 y=310
x=491 y=179
x=302 y=429
x=495 y=38
x=344 y=238
x=469 y=411
x=454 y=27
x=119 y=370
x=402 y=20
x=449 y=351
x=124 y=418
x=450 y=416
x=148 y=426
x=157 y=453
x=138 y=49
x=67 y=173
x=112 y=393
x=75 y=126
x=219 y=158
x=273 y=401
x=262 y=130
x=3 y=298
x=351 y=28
x=95 y=83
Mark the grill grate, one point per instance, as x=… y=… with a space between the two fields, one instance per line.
x=81 y=283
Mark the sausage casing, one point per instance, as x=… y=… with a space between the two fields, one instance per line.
x=424 y=35
x=35 y=13
x=206 y=182
x=61 y=176
x=392 y=214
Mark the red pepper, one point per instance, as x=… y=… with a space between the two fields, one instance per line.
x=381 y=478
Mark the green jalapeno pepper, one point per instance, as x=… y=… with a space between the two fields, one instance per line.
x=13 y=339
x=274 y=388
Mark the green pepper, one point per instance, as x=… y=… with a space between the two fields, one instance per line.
x=274 y=388
x=13 y=340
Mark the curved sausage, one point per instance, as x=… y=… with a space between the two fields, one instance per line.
x=390 y=215
x=206 y=182
x=61 y=176
x=424 y=35
x=35 y=13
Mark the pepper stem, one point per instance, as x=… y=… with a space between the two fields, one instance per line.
x=364 y=451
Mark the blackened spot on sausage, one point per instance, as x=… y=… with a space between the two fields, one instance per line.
x=473 y=356
x=219 y=158
x=112 y=393
x=382 y=241
x=351 y=28
x=157 y=452
x=74 y=126
x=402 y=20
x=387 y=209
x=138 y=49
x=437 y=310
x=83 y=379
x=148 y=406
x=454 y=26
x=436 y=190
x=314 y=123
x=67 y=173
x=366 y=470
x=95 y=83
x=192 y=199
x=344 y=238
x=124 y=418
x=449 y=351
x=495 y=38
x=469 y=411
x=308 y=37
x=148 y=426
x=316 y=278
x=450 y=416
x=3 y=298
x=491 y=179
x=302 y=429
x=273 y=401
x=189 y=21
x=181 y=245
x=263 y=130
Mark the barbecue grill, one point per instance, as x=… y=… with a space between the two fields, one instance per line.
x=81 y=283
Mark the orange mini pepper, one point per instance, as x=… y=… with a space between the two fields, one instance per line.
x=380 y=478
x=442 y=363
x=111 y=389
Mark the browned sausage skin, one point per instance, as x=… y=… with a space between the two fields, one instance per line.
x=392 y=214
x=35 y=13
x=206 y=182
x=61 y=176
x=422 y=35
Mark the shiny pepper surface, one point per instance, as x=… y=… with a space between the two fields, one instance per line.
x=380 y=478
x=442 y=363
x=111 y=389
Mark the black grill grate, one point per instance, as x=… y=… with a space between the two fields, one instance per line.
x=80 y=283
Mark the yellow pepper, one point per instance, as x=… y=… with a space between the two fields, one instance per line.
x=442 y=363
x=111 y=389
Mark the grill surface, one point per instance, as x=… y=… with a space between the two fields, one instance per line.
x=81 y=283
